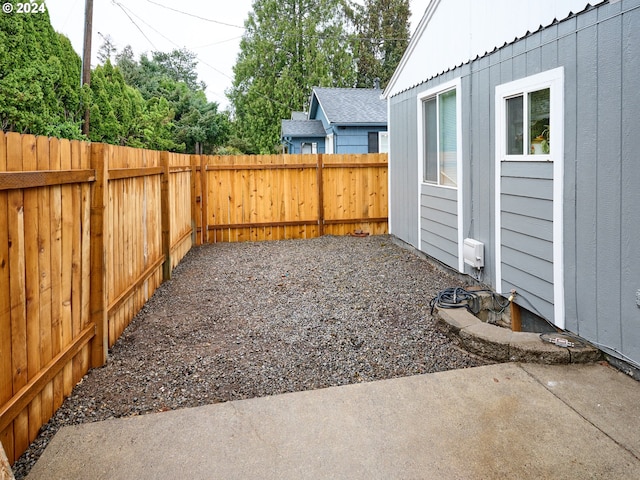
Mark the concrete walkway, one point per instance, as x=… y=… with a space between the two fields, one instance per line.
x=507 y=421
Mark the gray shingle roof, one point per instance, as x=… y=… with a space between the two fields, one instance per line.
x=299 y=116
x=303 y=128
x=352 y=105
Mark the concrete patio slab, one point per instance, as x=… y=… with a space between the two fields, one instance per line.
x=493 y=422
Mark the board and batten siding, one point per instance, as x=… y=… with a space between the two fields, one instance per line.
x=599 y=51
x=403 y=168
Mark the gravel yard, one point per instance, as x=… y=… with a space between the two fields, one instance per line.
x=252 y=319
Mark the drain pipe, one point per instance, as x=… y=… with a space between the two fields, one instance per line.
x=516 y=321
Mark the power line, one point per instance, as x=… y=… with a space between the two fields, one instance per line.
x=176 y=45
x=216 y=43
x=195 y=16
x=136 y=25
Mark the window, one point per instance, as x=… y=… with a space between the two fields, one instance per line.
x=440 y=138
x=530 y=110
x=373 y=142
x=535 y=136
x=383 y=142
x=378 y=142
x=329 y=144
x=309 y=148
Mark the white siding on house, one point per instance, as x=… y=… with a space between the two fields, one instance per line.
x=465 y=29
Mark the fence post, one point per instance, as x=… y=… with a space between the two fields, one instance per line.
x=320 y=182
x=99 y=229
x=196 y=201
x=204 y=200
x=165 y=206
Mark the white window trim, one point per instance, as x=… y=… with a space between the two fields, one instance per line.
x=382 y=134
x=330 y=147
x=452 y=85
x=553 y=79
x=456 y=85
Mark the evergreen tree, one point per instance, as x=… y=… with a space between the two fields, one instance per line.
x=116 y=108
x=39 y=78
x=289 y=47
x=107 y=49
x=383 y=35
x=121 y=116
x=197 y=125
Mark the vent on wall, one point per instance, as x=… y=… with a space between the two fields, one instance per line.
x=473 y=253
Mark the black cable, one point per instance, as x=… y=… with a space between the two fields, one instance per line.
x=455 y=297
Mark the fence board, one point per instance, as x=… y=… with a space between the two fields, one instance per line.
x=6 y=377
x=17 y=283
x=56 y=268
x=44 y=266
x=32 y=278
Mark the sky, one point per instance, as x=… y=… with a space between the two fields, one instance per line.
x=210 y=29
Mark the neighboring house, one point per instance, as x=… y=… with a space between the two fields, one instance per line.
x=518 y=126
x=340 y=120
x=300 y=135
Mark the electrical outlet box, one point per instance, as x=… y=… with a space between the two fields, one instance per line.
x=473 y=253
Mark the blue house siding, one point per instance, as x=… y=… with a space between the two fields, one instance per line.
x=599 y=52
x=295 y=147
x=352 y=140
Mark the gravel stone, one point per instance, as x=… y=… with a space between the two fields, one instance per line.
x=246 y=320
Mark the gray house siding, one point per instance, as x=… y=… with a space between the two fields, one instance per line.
x=599 y=50
x=439 y=224
x=403 y=168
x=526 y=225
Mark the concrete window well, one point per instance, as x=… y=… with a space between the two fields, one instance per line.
x=497 y=328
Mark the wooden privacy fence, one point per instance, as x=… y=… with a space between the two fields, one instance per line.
x=273 y=197
x=89 y=231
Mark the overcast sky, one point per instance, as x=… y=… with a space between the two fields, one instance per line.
x=210 y=29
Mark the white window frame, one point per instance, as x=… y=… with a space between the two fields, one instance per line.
x=422 y=185
x=554 y=80
x=329 y=147
x=434 y=92
x=384 y=135
x=312 y=145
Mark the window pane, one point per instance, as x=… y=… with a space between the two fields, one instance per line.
x=448 y=139
x=514 y=126
x=384 y=142
x=539 y=122
x=430 y=141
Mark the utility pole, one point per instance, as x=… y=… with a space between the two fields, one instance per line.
x=86 y=57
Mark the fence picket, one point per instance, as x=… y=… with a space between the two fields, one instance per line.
x=6 y=380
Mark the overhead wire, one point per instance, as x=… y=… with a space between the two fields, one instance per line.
x=126 y=11
x=134 y=23
x=195 y=16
